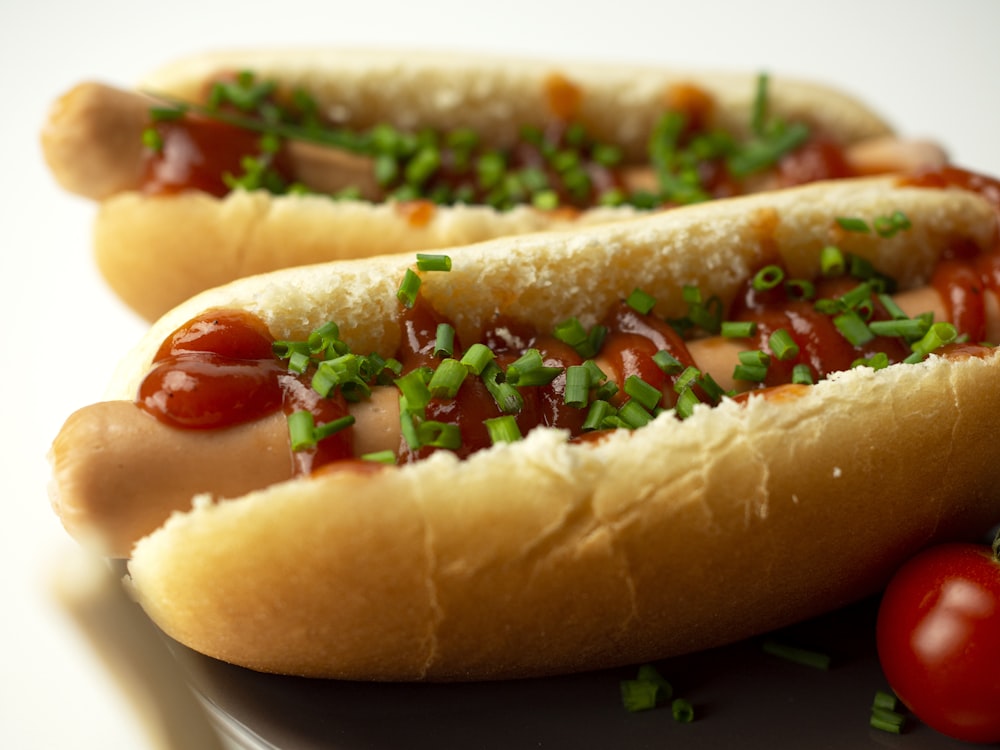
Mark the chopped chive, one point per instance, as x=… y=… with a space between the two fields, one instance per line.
x=682 y=711
x=529 y=369
x=640 y=301
x=407 y=424
x=634 y=414
x=598 y=412
x=687 y=378
x=894 y=310
x=152 y=139
x=908 y=328
x=686 y=402
x=768 y=278
x=507 y=399
x=851 y=224
x=444 y=340
x=853 y=328
x=595 y=373
x=477 y=357
x=712 y=389
x=301 y=430
x=414 y=389
x=407 y=293
x=667 y=362
x=738 y=329
x=937 y=336
x=802 y=375
x=861 y=268
x=783 y=345
x=758 y=116
x=334 y=426
x=878 y=361
x=796 y=655
x=832 y=261
x=503 y=429
x=447 y=379
x=577 y=391
x=380 y=457
x=754 y=357
x=638 y=695
x=885 y=700
x=886 y=720
x=647 y=395
x=800 y=289
x=750 y=373
x=439 y=435
x=429 y=262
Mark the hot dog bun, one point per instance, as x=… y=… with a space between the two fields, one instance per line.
x=541 y=556
x=157 y=251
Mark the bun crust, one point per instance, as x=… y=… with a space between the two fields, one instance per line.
x=543 y=557
x=211 y=241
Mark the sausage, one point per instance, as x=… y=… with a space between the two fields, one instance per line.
x=114 y=120
x=100 y=487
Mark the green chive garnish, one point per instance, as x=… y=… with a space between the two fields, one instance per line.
x=503 y=429
x=803 y=656
x=429 y=262
x=768 y=278
x=646 y=394
x=738 y=329
x=851 y=224
x=640 y=301
x=447 y=379
x=444 y=340
x=577 y=391
x=407 y=293
x=783 y=345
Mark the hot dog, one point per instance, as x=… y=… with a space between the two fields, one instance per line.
x=423 y=151
x=712 y=518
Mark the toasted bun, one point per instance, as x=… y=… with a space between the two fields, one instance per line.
x=156 y=252
x=543 y=557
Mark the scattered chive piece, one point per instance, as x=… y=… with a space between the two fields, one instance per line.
x=937 y=336
x=444 y=341
x=507 y=399
x=805 y=657
x=407 y=293
x=686 y=402
x=380 y=457
x=596 y=373
x=738 y=329
x=407 y=425
x=301 y=430
x=577 y=390
x=634 y=414
x=687 y=378
x=414 y=390
x=853 y=328
x=529 y=369
x=447 y=379
x=596 y=415
x=152 y=139
x=667 y=362
x=885 y=700
x=334 y=426
x=682 y=711
x=646 y=394
x=503 y=429
x=428 y=262
x=783 y=345
x=641 y=302
x=638 y=695
x=886 y=721
x=477 y=357
x=768 y=278
x=908 y=328
x=802 y=375
x=832 y=261
x=800 y=289
x=851 y=224
x=439 y=435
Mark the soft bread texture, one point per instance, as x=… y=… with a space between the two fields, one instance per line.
x=156 y=252
x=543 y=557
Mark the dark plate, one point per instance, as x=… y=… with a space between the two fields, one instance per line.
x=743 y=697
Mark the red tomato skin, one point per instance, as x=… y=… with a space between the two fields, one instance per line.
x=938 y=637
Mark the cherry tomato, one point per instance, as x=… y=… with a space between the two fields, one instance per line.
x=938 y=638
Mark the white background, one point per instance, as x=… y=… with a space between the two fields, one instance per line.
x=931 y=68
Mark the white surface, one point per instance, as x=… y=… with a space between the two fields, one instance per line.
x=931 y=68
